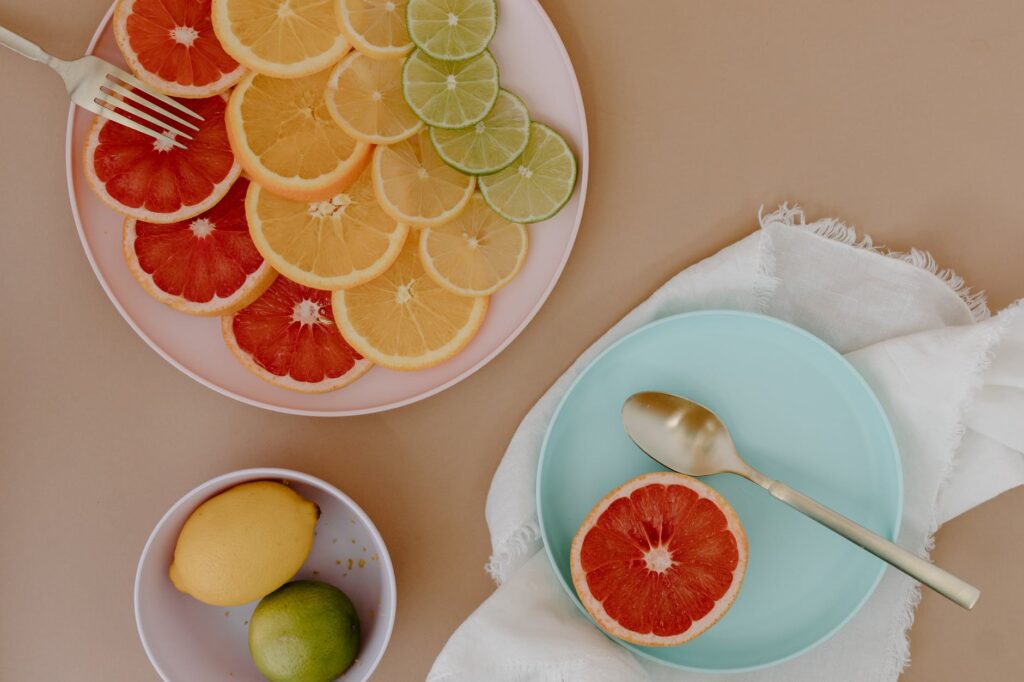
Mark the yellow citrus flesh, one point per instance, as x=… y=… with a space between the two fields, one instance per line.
x=364 y=96
x=336 y=243
x=243 y=544
x=284 y=137
x=475 y=254
x=375 y=27
x=414 y=185
x=281 y=38
x=405 y=320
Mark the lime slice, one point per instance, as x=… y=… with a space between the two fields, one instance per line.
x=490 y=145
x=452 y=29
x=450 y=94
x=537 y=184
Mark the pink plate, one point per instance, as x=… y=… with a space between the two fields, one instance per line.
x=534 y=65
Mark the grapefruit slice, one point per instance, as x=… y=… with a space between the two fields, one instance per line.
x=288 y=337
x=659 y=560
x=150 y=180
x=204 y=266
x=170 y=44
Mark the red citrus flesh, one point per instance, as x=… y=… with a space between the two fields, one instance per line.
x=659 y=560
x=170 y=44
x=207 y=265
x=147 y=179
x=288 y=337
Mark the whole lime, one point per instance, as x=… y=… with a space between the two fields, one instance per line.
x=305 y=631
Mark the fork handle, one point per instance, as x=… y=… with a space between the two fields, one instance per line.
x=946 y=584
x=24 y=47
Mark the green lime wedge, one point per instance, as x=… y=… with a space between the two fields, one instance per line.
x=450 y=94
x=537 y=184
x=451 y=29
x=489 y=145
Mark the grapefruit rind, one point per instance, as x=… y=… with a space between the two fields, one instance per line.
x=255 y=284
x=596 y=609
x=360 y=368
x=300 y=189
x=120 y=25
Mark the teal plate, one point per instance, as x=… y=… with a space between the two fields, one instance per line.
x=799 y=412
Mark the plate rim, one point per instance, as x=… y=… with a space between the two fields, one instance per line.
x=876 y=403
x=582 y=184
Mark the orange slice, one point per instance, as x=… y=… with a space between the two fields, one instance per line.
x=336 y=243
x=404 y=320
x=281 y=38
x=284 y=137
x=416 y=186
x=365 y=97
x=375 y=27
x=475 y=254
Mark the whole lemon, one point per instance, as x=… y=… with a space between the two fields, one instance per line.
x=306 y=631
x=244 y=543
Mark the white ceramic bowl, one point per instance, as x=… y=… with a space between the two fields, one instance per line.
x=187 y=640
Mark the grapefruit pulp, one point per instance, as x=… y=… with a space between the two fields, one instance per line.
x=149 y=180
x=659 y=560
x=170 y=44
x=288 y=337
x=207 y=265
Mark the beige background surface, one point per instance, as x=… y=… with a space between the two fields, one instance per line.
x=903 y=118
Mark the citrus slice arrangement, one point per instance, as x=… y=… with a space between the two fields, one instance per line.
x=659 y=560
x=389 y=179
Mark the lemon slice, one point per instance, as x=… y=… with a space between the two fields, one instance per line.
x=375 y=27
x=415 y=186
x=450 y=94
x=282 y=38
x=537 y=184
x=404 y=319
x=477 y=253
x=365 y=97
x=284 y=137
x=490 y=145
x=336 y=243
x=452 y=29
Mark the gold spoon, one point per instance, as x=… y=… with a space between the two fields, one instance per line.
x=689 y=438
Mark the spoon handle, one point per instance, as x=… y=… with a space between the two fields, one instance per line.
x=943 y=582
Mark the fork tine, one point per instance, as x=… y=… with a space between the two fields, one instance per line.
x=103 y=110
x=141 y=113
x=128 y=94
x=129 y=107
x=131 y=80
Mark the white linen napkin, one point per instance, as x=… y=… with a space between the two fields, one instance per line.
x=950 y=376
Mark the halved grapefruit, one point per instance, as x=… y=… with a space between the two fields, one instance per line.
x=659 y=560
x=150 y=180
x=288 y=337
x=170 y=44
x=207 y=265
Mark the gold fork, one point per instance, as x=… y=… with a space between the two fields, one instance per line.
x=104 y=89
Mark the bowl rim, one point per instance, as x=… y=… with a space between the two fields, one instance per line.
x=219 y=483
